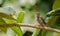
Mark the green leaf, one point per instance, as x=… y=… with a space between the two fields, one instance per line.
x=19 y=20
x=56 y=4
x=36 y=32
x=53 y=16
x=2 y=29
x=17 y=30
x=49 y=33
x=54 y=12
x=4 y=15
x=20 y=17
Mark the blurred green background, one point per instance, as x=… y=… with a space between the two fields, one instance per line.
x=29 y=7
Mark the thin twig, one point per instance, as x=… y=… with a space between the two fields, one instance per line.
x=29 y=25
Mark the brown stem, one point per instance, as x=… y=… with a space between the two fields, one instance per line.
x=29 y=25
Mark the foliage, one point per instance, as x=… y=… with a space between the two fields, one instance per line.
x=48 y=9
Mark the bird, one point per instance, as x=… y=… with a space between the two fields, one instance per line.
x=40 y=20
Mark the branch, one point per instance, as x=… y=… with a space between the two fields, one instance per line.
x=29 y=25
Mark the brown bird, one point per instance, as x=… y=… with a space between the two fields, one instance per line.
x=40 y=20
